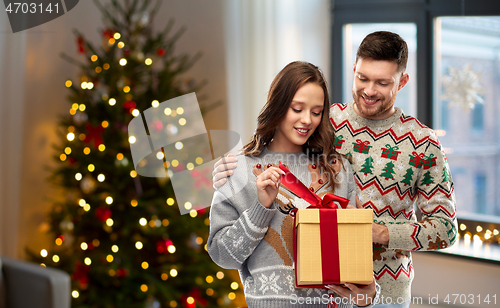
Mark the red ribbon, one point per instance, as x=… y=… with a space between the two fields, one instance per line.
x=362 y=142
x=328 y=226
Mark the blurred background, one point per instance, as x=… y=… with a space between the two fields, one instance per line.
x=454 y=69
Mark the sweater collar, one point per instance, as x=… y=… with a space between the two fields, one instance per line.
x=385 y=123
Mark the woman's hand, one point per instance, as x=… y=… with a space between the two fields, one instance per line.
x=359 y=295
x=268 y=185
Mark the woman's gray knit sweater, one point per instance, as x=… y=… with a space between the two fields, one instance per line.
x=257 y=241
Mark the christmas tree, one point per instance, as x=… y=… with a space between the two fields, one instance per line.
x=408 y=177
x=428 y=179
x=388 y=171
x=121 y=236
x=446 y=175
x=367 y=166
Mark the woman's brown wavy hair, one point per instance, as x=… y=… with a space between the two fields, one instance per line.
x=320 y=146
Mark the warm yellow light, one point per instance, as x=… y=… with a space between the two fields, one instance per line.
x=96 y=242
x=112 y=272
x=193 y=213
x=138 y=245
x=144 y=288
x=495 y=232
x=82 y=107
x=220 y=275
x=78 y=176
x=190 y=300
x=207 y=221
x=105 y=124
x=119 y=156
x=205 y=247
x=479 y=228
x=55 y=258
x=62 y=157
x=68 y=83
x=114 y=248
x=82 y=202
x=91 y=168
x=111 y=41
x=70 y=136
x=209 y=279
x=171 y=248
x=463 y=227
x=179 y=145
x=210 y=292
x=105 y=66
x=173 y=272
x=67 y=150
x=43 y=253
x=148 y=61
x=173 y=113
x=75 y=107
x=109 y=199
x=170 y=201
x=152 y=223
x=133 y=203
x=86 y=151
x=155 y=103
x=59 y=242
x=112 y=101
x=86 y=207
x=126 y=89
x=165 y=222
x=143 y=221
x=164 y=276
x=145 y=265
x=87 y=261
x=101 y=177
x=175 y=163
x=109 y=222
x=180 y=110
x=121 y=44
x=160 y=155
x=199 y=160
x=72 y=111
x=98 y=69
x=84 y=246
x=190 y=166
x=199 y=240
x=167 y=111
x=182 y=121
x=133 y=174
x=188 y=205
x=131 y=139
x=234 y=285
x=231 y=296
x=136 y=112
x=123 y=62
x=81 y=137
x=117 y=36
x=84 y=85
x=487 y=236
x=109 y=258
x=75 y=294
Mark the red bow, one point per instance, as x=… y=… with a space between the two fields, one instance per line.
x=362 y=142
x=292 y=183
x=415 y=154
x=94 y=133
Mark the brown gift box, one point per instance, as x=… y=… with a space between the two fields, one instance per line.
x=354 y=242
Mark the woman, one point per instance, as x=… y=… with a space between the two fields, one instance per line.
x=250 y=226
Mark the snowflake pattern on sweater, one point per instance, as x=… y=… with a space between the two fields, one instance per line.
x=398 y=162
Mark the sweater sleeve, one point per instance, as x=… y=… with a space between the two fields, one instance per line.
x=234 y=235
x=436 y=201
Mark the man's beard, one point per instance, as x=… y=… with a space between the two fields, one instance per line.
x=375 y=111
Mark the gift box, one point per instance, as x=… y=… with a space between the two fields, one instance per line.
x=331 y=245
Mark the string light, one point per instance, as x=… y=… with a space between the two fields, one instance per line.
x=72 y=111
x=55 y=258
x=210 y=292
x=105 y=124
x=131 y=139
x=135 y=112
x=179 y=145
x=68 y=83
x=138 y=245
x=96 y=243
x=148 y=61
x=170 y=201
x=117 y=35
x=98 y=69
x=164 y=276
x=165 y=222
x=59 y=242
x=109 y=199
x=67 y=150
x=144 y=288
x=119 y=156
x=62 y=157
x=87 y=261
x=193 y=213
x=190 y=300
x=44 y=253
x=175 y=163
x=111 y=41
x=143 y=221
x=234 y=285
x=78 y=176
x=114 y=248
x=188 y=205
x=199 y=240
x=105 y=66
x=86 y=151
x=70 y=136
x=121 y=45
x=101 y=147
x=182 y=121
x=479 y=228
x=145 y=265
x=82 y=202
x=199 y=160
x=109 y=222
x=220 y=275
x=231 y=296
x=112 y=101
x=173 y=272
x=75 y=106
x=171 y=248
x=123 y=62
x=84 y=246
x=155 y=103
x=109 y=258
x=86 y=207
x=133 y=203
x=160 y=155
x=101 y=177
x=83 y=85
x=133 y=174
x=91 y=168
x=81 y=137
x=126 y=89
x=190 y=166
x=75 y=294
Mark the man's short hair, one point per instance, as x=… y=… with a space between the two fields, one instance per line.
x=384 y=45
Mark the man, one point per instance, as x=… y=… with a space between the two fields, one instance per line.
x=396 y=161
